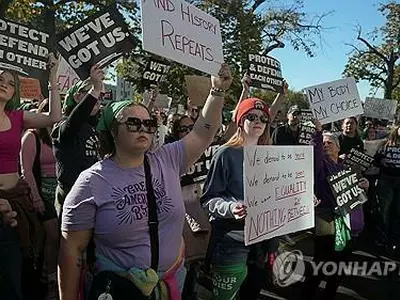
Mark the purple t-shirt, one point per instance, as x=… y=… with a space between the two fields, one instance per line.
x=113 y=202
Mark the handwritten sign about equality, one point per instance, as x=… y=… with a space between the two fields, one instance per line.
x=334 y=100
x=181 y=32
x=380 y=108
x=278 y=191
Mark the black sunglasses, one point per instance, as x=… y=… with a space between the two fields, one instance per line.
x=254 y=117
x=296 y=113
x=184 y=128
x=136 y=124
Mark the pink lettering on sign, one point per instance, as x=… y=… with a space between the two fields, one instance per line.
x=183 y=43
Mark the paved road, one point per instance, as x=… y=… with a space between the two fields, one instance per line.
x=358 y=287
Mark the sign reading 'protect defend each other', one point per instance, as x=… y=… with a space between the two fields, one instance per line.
x=23 y=49
x=100 y=39
x=265 y=73
x=183 y=33
x=334 y=100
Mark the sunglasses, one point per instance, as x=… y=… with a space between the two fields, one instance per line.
x=136 y=124
x=253 y=117
x=296 y=113
x=195 y=110
x=183 y=128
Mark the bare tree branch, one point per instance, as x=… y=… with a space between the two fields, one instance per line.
x=276 y=45
x=370 y=47
x=257 y=4
x=362 y=53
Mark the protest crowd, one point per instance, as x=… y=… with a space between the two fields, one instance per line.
x=125 y=200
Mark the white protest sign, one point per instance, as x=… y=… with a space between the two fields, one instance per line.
x=67 y=76
x=278 y=191
x=181 y=32
x=162 y=100
x=380 y=108
x=335 y=100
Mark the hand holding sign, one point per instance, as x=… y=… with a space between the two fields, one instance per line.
x=52 y=66
x=97 y=77
x=246 y=81
x=239 y=211
x=154 y=91
x=224 y=79
x=363 y=183
x=318 y=125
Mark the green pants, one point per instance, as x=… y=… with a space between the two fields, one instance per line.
x=227 y=280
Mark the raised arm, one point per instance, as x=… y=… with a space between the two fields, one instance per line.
x=209 y=121
x=40 y=120
x=319 y=155
x=278 y=102
x=82 y=111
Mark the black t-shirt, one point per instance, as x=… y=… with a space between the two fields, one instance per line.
x=75 y=143
x=283 y=135
x=348 y=143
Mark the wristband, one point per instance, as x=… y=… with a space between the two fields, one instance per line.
x=217 y=92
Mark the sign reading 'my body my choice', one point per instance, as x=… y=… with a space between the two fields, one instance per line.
x=278 y=191
x=181 y=32
x=334 y=100
x=23 y=49
x=100 y=39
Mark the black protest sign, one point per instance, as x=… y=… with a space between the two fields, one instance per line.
x=99 y=39
x=346 y=191
x=359 y=159
x=392 y=157
x=155 y=72
x=23 y=49
x=307 y=115
x=265 y=73
x=305 y=134
x=198 y=172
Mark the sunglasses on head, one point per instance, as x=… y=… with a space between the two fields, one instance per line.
x=184 y=128
x=136 y=124
x=254 y=117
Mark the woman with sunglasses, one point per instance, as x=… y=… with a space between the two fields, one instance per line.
x=19 y=246
x=223 y=196
x=109 y=202
x=74 y=138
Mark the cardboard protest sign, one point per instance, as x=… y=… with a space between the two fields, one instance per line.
x=23 y=49
x=66 y=75
x=183 y=33
x=380 y=108
x=99 y=39
x=265 y=73
x=29 y=88
x=198 y=88
x=306 y=115
x=305 y=133
x=162 y=101
x=198 y=172
x=345 y=189
x=334 y=100
x=359 y=159
x=278 y=191
x=155 y=72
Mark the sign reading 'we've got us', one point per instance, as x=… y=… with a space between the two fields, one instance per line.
x=155 y=72
x=100 y=39
x=265 y=73
x=345 y=189
x=23 y=49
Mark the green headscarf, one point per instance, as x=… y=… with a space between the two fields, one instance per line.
x=69 y=102
x=109 y=113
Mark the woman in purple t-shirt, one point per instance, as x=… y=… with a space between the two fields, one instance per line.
x=109 y=201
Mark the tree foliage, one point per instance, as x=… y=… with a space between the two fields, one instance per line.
x=376 y=58
x=246 y=27
x=294 y=98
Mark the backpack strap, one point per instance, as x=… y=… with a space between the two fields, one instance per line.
x=153 y=217
x=36 y=169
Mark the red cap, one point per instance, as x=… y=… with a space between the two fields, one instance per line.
x=248 y=104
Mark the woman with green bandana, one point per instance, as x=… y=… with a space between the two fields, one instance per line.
x=75 y=141
x=109 y=202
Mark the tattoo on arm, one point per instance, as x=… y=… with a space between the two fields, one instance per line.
x=79 y=262
x=207 y=126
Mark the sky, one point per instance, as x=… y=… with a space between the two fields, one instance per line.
x=301 y=71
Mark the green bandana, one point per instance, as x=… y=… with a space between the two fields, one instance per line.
x=342 y=234
x=110 y=112
x=69 y=98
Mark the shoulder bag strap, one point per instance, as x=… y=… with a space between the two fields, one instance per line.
x=153 y=217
